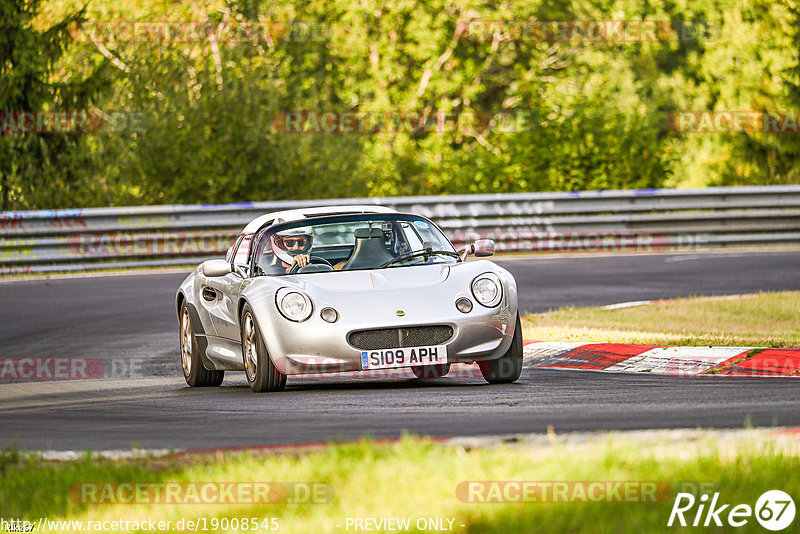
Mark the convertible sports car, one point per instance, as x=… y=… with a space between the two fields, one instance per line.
x=326 y=290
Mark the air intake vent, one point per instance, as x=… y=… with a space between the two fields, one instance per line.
x=394 y=338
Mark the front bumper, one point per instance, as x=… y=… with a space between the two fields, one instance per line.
x=315 y=346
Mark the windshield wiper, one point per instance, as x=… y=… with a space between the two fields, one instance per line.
x=428 y=252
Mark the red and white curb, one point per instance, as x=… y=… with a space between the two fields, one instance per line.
x=621 y=358
x=675 y=361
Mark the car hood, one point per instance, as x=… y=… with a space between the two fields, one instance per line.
x=392 y=278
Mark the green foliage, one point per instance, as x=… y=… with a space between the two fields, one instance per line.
x=771 y=158
x=568 y=115
x=47 y=169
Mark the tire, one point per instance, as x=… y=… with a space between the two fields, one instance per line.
x=508 y=367
x=194 y=371
x=261 y=373
x=431 y=371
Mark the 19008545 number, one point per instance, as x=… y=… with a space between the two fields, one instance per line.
x=237 y=524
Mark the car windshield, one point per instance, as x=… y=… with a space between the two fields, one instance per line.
x=350 y=243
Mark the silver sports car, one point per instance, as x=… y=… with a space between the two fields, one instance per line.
x=327 y=290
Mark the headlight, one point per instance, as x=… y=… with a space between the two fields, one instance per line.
x=487 y=290
x=293 y=305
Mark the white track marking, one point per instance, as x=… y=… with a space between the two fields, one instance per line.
x=631 y=304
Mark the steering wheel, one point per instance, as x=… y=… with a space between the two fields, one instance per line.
x=311 y=259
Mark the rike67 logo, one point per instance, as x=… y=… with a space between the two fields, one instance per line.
x=774 y=510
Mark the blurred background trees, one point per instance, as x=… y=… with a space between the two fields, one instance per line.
x=567 y=115
x=41 y=170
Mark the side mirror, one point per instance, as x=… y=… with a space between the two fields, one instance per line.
x=242 y=270
x=483 y=248
x=215 y=268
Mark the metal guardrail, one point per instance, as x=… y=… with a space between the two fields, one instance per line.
x=644 y=220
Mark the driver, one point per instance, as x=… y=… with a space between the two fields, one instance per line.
x=293 y=248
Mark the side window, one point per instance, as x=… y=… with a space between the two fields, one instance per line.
x=267 y=263
x=243 y=250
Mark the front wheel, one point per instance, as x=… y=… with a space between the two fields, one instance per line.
x=194 y=372
x=508 y=367
x=262 y=375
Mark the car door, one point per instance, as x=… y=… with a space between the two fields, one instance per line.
x=220 y=295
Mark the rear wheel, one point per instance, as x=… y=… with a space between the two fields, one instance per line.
x=194 y=371
x=508 y=367
x=262 y=375
x=431 y=371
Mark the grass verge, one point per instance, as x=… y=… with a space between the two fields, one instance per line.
x=417 y=478
x=760 y=320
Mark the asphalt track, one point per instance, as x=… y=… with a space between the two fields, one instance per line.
x=131 y=317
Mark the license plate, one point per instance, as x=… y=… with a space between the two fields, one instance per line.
x=405 y=357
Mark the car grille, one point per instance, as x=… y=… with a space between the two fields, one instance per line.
x=394 y=338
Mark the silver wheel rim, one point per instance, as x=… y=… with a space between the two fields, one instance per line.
x=250 y=354
x=186 y=342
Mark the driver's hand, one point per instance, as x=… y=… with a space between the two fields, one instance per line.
x=301 y=260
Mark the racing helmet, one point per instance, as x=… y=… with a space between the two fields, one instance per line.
x=291 y=243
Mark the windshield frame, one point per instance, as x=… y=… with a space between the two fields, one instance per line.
x=263 y=234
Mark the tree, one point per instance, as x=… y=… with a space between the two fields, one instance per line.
x=37 y=168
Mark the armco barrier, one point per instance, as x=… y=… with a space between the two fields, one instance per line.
x=627 y=220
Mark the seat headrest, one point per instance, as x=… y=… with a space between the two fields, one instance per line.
x=366 y=233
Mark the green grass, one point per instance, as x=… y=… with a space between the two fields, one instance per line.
x=418 y=478
x=761 y=320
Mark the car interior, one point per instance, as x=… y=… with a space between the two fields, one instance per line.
x=370 y=246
